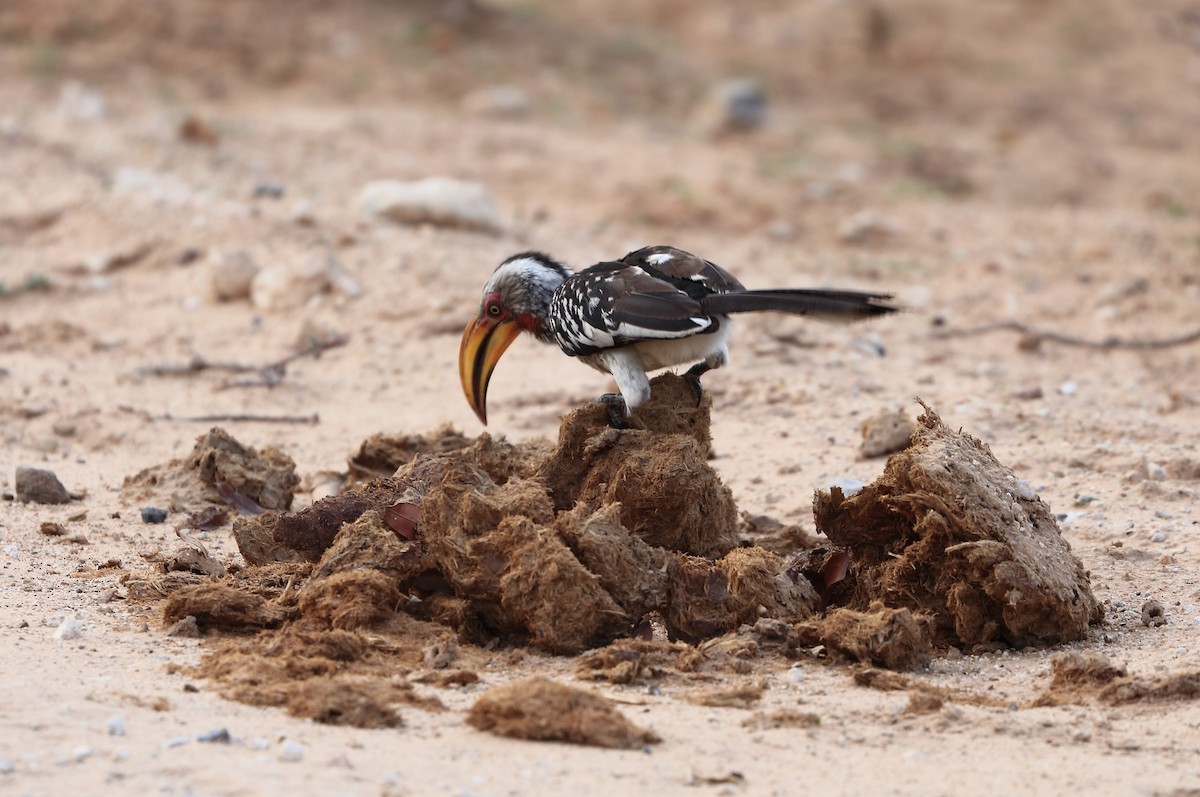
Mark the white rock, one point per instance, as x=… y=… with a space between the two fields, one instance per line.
x=442 y=201
x=116 y=726
x=79 y=103
x=292 y=751
x=288 y=286
x=69 y=628
x=1156 y=472
x=231 y=273
x=150 y=186
x=849 y=485
x=781 y=230
x=342 y=280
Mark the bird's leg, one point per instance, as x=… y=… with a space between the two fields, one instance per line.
x=618 y=412
x=692 y=376
x=631 y=379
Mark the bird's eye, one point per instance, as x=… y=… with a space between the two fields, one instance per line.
x=493 y=309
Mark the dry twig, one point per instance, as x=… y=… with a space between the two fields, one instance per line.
x=1036 y=336
x=268 y=375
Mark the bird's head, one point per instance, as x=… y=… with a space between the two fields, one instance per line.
x=515 y=299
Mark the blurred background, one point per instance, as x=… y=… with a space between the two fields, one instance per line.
x=252 y=175
x=1040 y=102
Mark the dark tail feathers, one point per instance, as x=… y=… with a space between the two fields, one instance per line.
x=828 y=305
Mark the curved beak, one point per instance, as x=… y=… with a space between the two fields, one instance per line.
x=483 y=341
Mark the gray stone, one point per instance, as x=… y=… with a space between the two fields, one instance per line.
x=738 y=105
x=39 y=486
x=154 y=514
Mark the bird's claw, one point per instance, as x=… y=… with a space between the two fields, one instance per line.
x=692 y=377
x=618 y=413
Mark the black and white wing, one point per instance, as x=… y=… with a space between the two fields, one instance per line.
x=618 y=303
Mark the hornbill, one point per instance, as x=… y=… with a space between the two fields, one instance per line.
x=654 y=308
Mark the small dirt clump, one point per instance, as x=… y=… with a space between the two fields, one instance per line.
x=539 y=709
x=1081 y=676
x=897 y=639
x=218 y=605
x=219 y=471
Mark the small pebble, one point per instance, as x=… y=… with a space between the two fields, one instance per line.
x=69 y=628
x=215 y=736
x=886 y=433
x=268 y=191
x=849 y=485
x=498 y=101
x=1156 y=472
x=231 y=273
x=176 y=741
x=292 y=752
x=1158 y=536
x=81 y=753
x=1068 y=389
x=732 y=106
x=867 y=227
x=185 y=628
x=153 y=514
x=7 y=767
x=286 y=286
x=116 y=726
x=795 y=674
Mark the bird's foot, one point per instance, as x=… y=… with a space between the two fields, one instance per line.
x=618 y=413
x=692 y=376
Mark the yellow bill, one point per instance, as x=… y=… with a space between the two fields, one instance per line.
x=483 y=341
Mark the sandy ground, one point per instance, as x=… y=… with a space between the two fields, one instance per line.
x=1076 y=225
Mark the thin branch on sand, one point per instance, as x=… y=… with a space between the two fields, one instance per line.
x=268 y=375
x=1032 y=337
